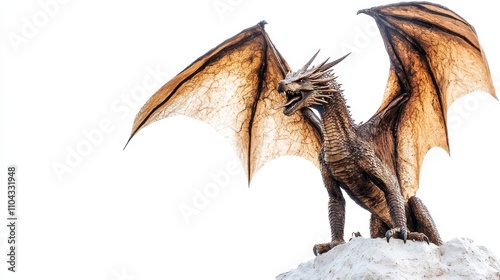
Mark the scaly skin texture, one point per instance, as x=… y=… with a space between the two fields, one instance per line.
x=351 y=159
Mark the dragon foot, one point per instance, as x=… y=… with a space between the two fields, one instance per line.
x=322 y=248
x=319 y=249
x=404 y=234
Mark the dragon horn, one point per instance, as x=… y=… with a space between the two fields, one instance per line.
x=304 y=68
x=333 y=63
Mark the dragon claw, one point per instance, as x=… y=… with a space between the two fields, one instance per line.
x=426 y=239
x=388 y=235
x=404 y=234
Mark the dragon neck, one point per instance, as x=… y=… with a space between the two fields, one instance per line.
x=338 y=126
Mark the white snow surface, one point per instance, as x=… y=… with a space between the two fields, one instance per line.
x=366 y=258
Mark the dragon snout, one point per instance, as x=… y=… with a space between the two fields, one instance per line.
x=282 y=86
x=286 y=86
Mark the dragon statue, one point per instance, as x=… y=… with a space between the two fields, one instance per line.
x=435 y=58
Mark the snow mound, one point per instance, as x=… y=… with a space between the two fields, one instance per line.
x=365 y=258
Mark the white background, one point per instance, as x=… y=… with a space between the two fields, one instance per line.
x=75 y=73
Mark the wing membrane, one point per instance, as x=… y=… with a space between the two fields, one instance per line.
x=435 y=59
x=233 y=88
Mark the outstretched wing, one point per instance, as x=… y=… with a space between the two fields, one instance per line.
x=233 y=88
x=435 y=58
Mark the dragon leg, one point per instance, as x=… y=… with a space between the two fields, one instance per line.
x=419 y=223
x=398 y=208
x=377 y=227
x=336 y=214
x=422 y=220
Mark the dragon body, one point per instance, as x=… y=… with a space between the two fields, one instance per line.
x=352 y=159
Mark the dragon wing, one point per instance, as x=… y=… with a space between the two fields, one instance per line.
x=233 y=88
x=435 y=58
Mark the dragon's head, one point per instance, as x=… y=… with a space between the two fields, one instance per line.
x=308 y=87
